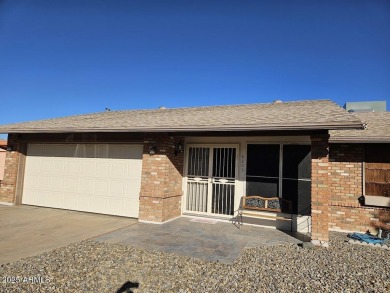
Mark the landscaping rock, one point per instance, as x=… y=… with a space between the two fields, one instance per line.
x=90 y=266
x=307 y=245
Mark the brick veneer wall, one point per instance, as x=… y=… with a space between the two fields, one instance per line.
x=161 y=184
x=8 y=185
x=337 y=185
x=356 y=219
x=320 y=189
x=346 y=186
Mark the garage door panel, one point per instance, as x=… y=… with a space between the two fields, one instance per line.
x=57 y=184
x=70 y=201
x=34 y=168
x=32 y=182
x=43 y=183
x=133 y=193
x=86 y=186
x=117 y=189
x=55 y=199
x=115 y=204
x=84 y=203
x=100 y=178
x=102 y=169
x=31 y=194
x=131 y=205
x=71 y=185
x=100 y=204
x=101 y=187
x=74 y=166
x=86 y=167
x=132 y=170
x=44 y=195
x=54 y=166
x=121 y=170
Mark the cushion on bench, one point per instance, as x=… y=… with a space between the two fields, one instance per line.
x=272 y=204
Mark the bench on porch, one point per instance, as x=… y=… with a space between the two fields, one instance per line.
x=250 y=204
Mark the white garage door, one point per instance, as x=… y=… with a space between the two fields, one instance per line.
x=98 y=178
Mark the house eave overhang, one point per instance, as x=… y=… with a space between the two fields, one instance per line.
x=319 y=126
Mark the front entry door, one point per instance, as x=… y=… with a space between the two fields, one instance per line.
x=211 y=179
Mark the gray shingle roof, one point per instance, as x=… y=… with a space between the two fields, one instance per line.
x=314 y=114
x=377 y=130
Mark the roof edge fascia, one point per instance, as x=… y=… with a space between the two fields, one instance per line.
x=344 y=126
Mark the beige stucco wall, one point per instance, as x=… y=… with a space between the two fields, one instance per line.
x=2 y=163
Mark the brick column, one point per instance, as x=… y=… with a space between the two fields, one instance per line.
x=162 y=176
x=320 y=190
x=8 y=185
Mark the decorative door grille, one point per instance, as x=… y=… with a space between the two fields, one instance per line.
x=211 y=179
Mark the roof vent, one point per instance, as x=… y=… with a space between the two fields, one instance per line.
x=277 y=101
x=162 y=108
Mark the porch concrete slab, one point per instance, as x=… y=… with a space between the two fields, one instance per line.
x=29 y=230
x=221 y=241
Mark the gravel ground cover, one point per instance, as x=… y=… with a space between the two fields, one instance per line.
x=90 y=266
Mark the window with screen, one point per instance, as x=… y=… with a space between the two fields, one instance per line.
x=296 y=183
x=262 y=177
x=282 y=171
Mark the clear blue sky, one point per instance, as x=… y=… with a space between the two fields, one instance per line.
x=68 y=57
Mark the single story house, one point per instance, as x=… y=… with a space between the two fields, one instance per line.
x=156 y=165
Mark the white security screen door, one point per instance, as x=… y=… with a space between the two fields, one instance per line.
x=211 y=179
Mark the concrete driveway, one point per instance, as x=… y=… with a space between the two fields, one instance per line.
x=28 y=231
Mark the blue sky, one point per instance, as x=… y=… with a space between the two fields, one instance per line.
x=68 y=57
